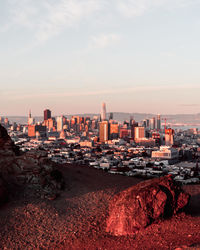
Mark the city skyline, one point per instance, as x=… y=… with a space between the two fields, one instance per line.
x=39 y=114
x=135 y=55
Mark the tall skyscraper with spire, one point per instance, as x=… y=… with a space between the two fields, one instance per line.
x=103 y=111
x=31 y=120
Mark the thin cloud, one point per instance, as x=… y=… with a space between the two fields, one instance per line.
x=167 y=54
x=131 y=8
x=48 y=19
x=135 y=89
x=104 y=40
x=189 y=105
x=65 y=14
x=134 y=8
x=23 y=13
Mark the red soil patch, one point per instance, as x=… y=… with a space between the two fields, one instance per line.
x=77 y=219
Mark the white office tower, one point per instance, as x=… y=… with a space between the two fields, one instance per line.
x=60 y=123
x=139 y=133
x=103 y=111
x=152 y=123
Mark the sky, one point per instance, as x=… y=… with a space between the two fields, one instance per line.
x=71 y=55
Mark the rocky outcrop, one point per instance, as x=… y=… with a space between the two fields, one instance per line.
x=3 y=192
x=147 y=202
x=32 y=169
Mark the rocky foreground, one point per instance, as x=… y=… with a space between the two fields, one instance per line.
x=31 y=170
x=145 y=203
x=36 y=212
x=77 y=219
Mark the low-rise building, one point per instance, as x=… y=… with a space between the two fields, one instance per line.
x=166 y=153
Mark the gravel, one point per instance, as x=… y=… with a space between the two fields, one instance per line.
x=77 y=219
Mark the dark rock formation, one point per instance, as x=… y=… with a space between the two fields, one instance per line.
x=3 y=133
x=140 y=205
x=3 y=192
x=32 y=169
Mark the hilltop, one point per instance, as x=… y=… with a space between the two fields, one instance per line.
x=77 y=218
x=40 y=214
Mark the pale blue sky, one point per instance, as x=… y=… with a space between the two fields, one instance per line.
x=70 y=55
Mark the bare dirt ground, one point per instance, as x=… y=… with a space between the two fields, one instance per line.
x=77 y=219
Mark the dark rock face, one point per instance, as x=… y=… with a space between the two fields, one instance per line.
x=140 y=205
x=3 y=133
x=32 y=169
x=3 y=192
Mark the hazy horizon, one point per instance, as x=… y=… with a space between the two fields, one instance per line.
x=98 y=113
x=95 y=113
x=190 y=120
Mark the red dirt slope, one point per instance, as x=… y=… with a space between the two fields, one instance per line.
x=77 y=219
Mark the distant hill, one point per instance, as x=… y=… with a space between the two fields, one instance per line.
x=23 y=119
x=182 y=119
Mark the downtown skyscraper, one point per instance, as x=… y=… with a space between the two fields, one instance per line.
x=103 y=111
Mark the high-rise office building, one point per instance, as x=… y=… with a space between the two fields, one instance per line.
x=6 y=122
x=133 y=125
x=33 y=130
x=103 y=111
x=104 y=131
x=47 y=114
x=124 y=132
x=31 y=120
x=114 y=130
x=50 y=124
x=147 y=122
x=60 y=123
x=158 y=122
x=169 y=137
x=152 y=123
x=144 y=123
x=131 y=120
x=94 y=124
x=1 y=120
x=139 y=133
x=111 y=116
x=77 y=119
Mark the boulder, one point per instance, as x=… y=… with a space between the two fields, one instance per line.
x=32 y=168
x=140 y=205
